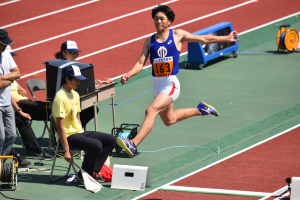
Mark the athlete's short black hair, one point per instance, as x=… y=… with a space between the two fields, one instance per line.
x=166 y=10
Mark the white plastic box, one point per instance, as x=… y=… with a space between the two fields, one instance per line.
x=129 y=177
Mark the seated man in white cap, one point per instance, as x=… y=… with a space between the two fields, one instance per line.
x=66 y=108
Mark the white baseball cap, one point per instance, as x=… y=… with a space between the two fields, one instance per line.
x=70 y=46
x=73 y=71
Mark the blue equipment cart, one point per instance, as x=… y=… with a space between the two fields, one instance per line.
x=199 y=54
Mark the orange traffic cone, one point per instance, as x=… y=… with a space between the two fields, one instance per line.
x=106 y=171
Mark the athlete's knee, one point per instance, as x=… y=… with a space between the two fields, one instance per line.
x=169 y=121
x=150 y=110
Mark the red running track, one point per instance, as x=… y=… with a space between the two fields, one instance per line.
x=263 y=168
x=117 y=61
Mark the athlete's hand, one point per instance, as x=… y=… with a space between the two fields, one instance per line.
x=233 y=37
x=124 y=79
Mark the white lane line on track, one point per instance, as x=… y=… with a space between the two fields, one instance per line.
x=142 y=37
x=92 y=26
x=226 y=158
x=33 y=73
x=253 y=29
x=215 y=191
x=272 y=22
x=8 y=2
x=178 y=25
x=215 y=13
x=184 y=53
x=276 y=193
x=50 y=13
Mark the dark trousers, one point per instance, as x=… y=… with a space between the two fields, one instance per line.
x=13 y=152
x=98 y=147
x=40 y=113
x=27 y=134
x=37 y=112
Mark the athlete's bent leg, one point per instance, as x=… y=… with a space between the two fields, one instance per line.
x=170 y=117
x=160 y=103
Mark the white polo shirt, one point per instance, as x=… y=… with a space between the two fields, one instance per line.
x=7 y=63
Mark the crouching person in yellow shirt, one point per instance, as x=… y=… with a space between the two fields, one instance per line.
x=66 y=108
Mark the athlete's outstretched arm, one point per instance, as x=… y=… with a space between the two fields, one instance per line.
x=206 y=39
x=139 y=64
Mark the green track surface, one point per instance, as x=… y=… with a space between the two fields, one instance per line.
x=256 y=95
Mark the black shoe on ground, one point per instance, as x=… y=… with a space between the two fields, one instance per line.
x=22 y=162
x=42 y=156
x=98 y=178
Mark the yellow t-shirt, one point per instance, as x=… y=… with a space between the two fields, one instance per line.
x=15 y=93
x=62 y=104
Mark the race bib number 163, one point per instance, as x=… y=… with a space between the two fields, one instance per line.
x=163 y=66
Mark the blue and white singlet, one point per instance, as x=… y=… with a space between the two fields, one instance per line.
x=164 y=57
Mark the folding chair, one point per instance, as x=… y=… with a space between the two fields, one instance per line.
x=33 y=86
x=52 y=132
